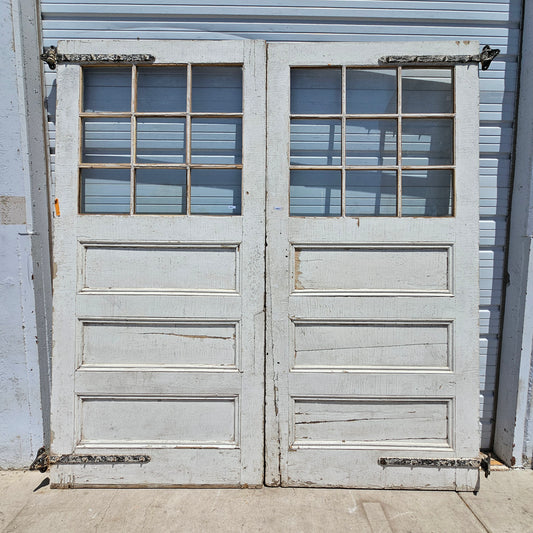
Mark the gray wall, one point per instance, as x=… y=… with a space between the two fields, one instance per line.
x=489 y=21
x=514 y=426
x=23 y=243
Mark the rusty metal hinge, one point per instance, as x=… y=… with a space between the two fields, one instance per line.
x=44 y=459
x=52 y=57
x=485 y=58
x=41 y=462
x=436 y=463
x=485 y=464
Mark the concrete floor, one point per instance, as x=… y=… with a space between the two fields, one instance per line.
x=503 y=504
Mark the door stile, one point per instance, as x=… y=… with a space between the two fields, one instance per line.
x=253 y=260
x=277 y=246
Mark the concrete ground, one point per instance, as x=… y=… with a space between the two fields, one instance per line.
x=27 y=504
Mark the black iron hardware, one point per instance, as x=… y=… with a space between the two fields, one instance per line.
x=52 y=57
x=484 y=58
x=44 y=460
x=436 y=463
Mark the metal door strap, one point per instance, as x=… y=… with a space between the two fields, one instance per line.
x=485 y=58
x=477 y=462
x=44 y=460
x=52 y=57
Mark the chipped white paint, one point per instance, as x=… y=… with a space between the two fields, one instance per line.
x=185 y=344
x=155 y=422
x=347 y=345
x=182 y=295
x=313 y=436
x=372 y=269
x=156 y=267
x=355 y=423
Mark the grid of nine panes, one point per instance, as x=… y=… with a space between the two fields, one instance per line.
x=398 y=116
x=134 y=114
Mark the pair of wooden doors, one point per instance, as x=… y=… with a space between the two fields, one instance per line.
x=265 y=269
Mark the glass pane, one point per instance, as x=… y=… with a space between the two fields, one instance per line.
x=371 y=193
x=106 y=140
x=161 y=190
x=215 y=191
x=371 y=91
x=315 y=142
x=216 y=89
x=315 y=193
x=427 y=142
x=107 y=89
x=162 y=89
x=427 y=193
x=315 y=91
x=105 y=190
x=371 y=141
x=216 y=141
x=427 y=91
x=161 y=140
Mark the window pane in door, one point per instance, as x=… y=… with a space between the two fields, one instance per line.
x=315 y=193
x=215 y=191
x=105 y=190
x=106 y=140
x=371 y=193
x=160 y=140
x=427 y=193
x=371 y=91
x=107 y=89
x=427 y=91
x=161 y=190
x=161 y=89
x=216 y=89
x=371 y=142
x=427 y=142
x=315 y=142
x=216 y=141
x=315 y=91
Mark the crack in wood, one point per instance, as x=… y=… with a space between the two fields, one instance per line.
x=352 y=420
x=191 y=336
x=372 y=347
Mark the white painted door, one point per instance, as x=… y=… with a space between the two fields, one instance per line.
x=159 y=266
x=372 y=284
x=159 y=246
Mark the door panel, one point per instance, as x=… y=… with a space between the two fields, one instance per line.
x=158 y=311
x=371 y=266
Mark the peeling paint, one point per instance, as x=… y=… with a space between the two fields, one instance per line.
x=297 y=272
x=12 y=210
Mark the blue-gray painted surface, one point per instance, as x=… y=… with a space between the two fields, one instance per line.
x=490 y=22
x=21 y=416
x=514 y=427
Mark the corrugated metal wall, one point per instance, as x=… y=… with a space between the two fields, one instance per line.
x=489 y=21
